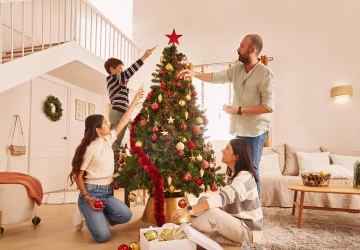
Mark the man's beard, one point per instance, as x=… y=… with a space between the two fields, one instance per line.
x=244 y=58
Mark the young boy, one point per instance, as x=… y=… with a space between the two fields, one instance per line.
x=119 y=94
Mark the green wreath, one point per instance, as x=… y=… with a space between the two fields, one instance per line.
x=54 y=116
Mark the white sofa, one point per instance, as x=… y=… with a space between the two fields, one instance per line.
x=273 y=187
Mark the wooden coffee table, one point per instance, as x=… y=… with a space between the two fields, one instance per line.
x=333 y=188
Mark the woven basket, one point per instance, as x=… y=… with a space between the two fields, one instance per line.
x=315 y=180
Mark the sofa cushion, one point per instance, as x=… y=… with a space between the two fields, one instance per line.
x=269 y=165
x=346 y=161
x=291 y=163
x=312 y=160
x=280 y=151
x=338 y=152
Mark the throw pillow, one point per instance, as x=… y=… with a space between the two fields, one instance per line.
x=346 y=161
x=336 y=171
x=338 y=152
x=269 y=165
x=291 y=164
x=280 y=151
x=312 y=160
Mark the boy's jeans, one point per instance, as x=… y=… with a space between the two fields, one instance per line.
x=256 y=145
x=115 y=117
x=115 y=211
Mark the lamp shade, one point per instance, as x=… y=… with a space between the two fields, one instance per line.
x=342 y=91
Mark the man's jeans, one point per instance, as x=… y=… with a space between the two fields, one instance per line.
x=115 y=211
x=115 y=117
x=256 y=145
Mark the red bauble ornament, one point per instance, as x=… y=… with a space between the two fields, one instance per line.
x=205 y=121
x=155 y=129
x=191 y=145
x=163 y=85
x=214 y=187
x=187 y=177
x=154 y=138
x=155 y=106
x=212 y=173
x=121 y=161
x=196 y=130
x=183 y=126
x=181 y=154
x=150 y=94
x=143 y=122
x=194 y=93
x=124 y=247
x=116 y=186
x=99 y=204
x=161 y=72
x=182 y=203
x=198 y=181
x=185 y=68
x=173 y=37
x=192 y=86
x=177 y=76
x=178 y=85
x=205 y=164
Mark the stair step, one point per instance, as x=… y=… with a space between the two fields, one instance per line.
x=37 y=47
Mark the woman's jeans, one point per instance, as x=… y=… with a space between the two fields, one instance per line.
x=256 y=144
x=115 y=211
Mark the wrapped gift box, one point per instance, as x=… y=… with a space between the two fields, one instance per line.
x=188 y=242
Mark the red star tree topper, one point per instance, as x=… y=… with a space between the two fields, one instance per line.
x=173 y=37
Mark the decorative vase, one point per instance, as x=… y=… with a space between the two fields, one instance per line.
x=170 y=205
x=357 y=175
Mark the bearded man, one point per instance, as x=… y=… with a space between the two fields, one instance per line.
x=253 y=99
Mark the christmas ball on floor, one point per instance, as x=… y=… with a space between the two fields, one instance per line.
x=123 y=247
x=134 y=246
x=37 y=219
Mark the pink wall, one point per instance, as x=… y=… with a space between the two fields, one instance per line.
x=314 y=45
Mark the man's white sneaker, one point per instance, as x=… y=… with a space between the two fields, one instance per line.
x=78 y=219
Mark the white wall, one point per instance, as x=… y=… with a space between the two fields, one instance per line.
x=314 y=45
x=15 y=101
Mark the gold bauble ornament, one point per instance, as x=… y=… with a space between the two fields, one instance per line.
x=161 y=239
x=322 y=173
x=134 y=246
x=162 y=58
x=186 y=115
x=182 y=103
x=202 y=172
x=199 y=120
x=172 y=188
x=180 y=146
x=184 y=140
x=151 y=235
x=160 y=98
x=199 y=158
x=165 y=232
x=169 y=67
x=131 y=197
x=188 y=97
x=139 y=144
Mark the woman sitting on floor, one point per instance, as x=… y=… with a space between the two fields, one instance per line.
x=92 y=170
x=241 y=217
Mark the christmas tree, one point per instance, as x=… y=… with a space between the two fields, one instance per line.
x=167 y=139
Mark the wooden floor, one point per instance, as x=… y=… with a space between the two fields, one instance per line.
x=56 y=231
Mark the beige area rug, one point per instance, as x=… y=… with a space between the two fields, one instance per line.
x=321 y=230
x=61 y=198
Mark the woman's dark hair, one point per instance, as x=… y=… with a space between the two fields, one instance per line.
x=242 y=149
x=91 y=123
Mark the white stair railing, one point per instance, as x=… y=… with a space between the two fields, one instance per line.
x=54 y=22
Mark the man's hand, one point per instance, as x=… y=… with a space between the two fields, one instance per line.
x=231 y=109
x=139 y=94
x=187 y=73
x=179 y=214
x=91 y=202
x=146 y=54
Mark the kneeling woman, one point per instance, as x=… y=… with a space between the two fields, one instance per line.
x=241 y=217
x=92 y=170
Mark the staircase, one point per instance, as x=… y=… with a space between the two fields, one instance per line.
x=29 y=27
